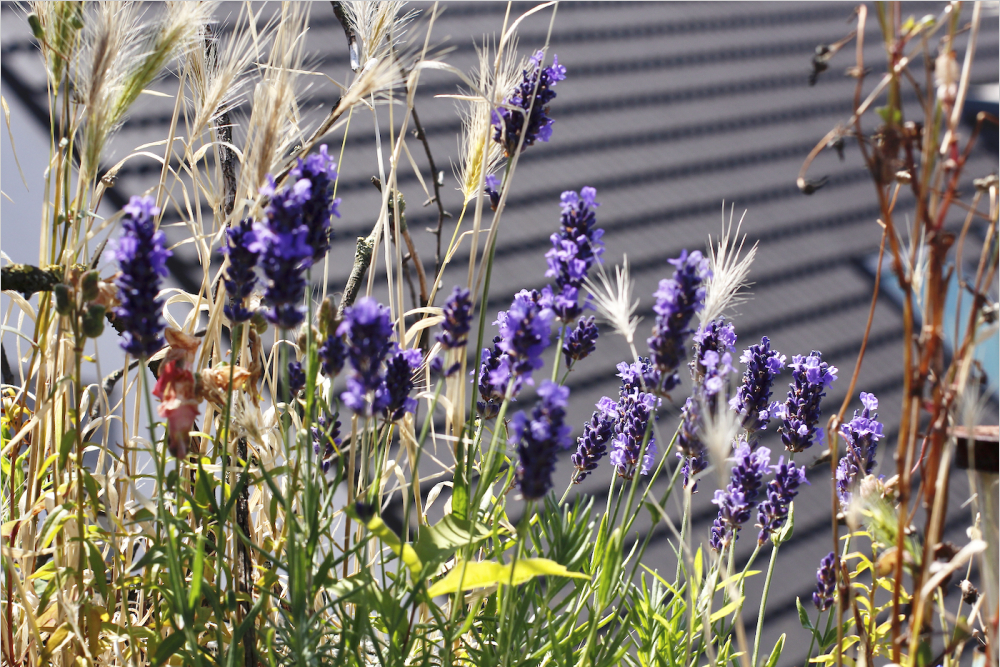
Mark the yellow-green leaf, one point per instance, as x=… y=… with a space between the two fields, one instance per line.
x=466 y=576
x=727 y=610
x=735 y=579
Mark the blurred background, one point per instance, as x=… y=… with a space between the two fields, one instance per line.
x=678 y=114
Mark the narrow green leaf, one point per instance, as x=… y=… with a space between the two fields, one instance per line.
x=196 y=572
x=168 y=647
x=378 y=527
x=733 y=606
x=776 y=651
x=804 y=617
x=65 y=445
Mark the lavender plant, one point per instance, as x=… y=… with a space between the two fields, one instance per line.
x=353 y=483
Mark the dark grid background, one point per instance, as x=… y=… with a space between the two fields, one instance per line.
x=669 y=109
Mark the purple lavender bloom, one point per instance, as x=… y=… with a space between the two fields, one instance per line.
x=539 y=440
x=690 y=448
x=399 y=372
x=677 y=300
x=491 y=187
x=862 y=435
x=773 y=512
x=142 y=260
x=436 y=367
x=318 y=211
x=296 y=378
x=738 y=499
x=492 y=392
x=751 y=399
x=580 y=342
x=826 y=582
x=457 y=314
x=332 y=355
x=243 y=248
x=326 y=440
x=575 y=248
x=524 y=333
x=714 y=344
x=634 y=413
x=532 y=119
x=592 y=445
x=637 y=376
x=286 y=253
x=801 y=412
x=691 y=466
x=368 y=327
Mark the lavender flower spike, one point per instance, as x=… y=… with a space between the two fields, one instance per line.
x=493 y=378
x=536 y=85
x=142 y=260
x=524 y=331
x=826 y=582
x=399 y=371
x=580 y=342
x=801 y=412
x=368 y=327
x=575 y=248
x=738 y=499
x=773 y=512
x=243 y=248
x=457 y=314
x=677 y=300
x=332 y=355
x=862 y=435
x=751 y=399
x=296 y=378
x=690 y=448
x=286 y=253
x=593 y=444
x=634 y=412
x=318 y=211
x=539 y=440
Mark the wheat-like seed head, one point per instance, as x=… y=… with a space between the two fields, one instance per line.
x=121 y=58
x=614 y=301
x=380 y=26
x=729 y=272
x=476 y=115
x=273 y=128
x=720 y=428
x=217 y=73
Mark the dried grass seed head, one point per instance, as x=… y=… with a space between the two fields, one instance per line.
x=614 y=301
x=729 y=272
x=379 y=26
x=495 y=78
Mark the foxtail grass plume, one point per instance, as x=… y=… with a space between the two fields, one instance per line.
x=494 y=80
x=614 y=301
x=729 y=273
x=126 y=58
x=380 y=27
